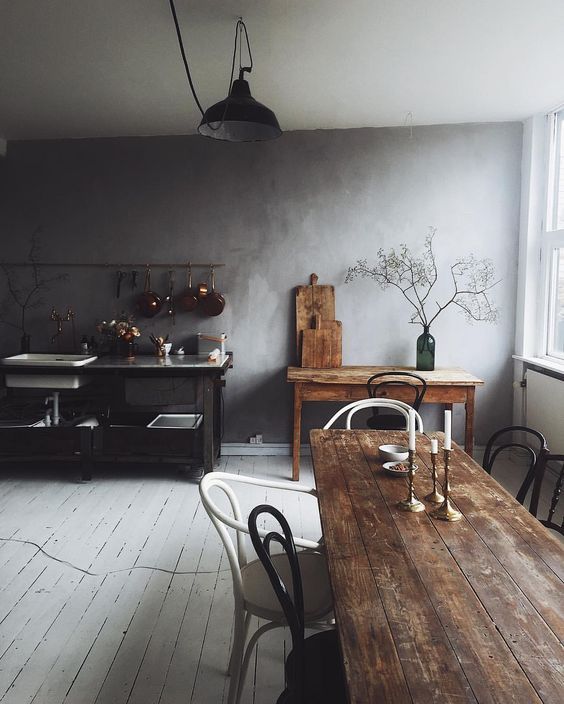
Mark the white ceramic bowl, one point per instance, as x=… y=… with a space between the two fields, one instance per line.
x=393 y=453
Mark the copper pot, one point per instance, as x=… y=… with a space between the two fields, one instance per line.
x=149 y=302
x=214 y=303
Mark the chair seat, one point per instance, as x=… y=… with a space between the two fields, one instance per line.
x=261 y=600
x=324 y=681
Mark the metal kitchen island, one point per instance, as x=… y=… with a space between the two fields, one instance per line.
x=122 y=441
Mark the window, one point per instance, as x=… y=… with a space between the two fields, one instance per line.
x=553 y=242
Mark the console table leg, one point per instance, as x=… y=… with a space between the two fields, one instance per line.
x=469 y=429
x=296 y=438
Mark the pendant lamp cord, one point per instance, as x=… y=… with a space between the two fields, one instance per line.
x=183 y=53
x=239 y=29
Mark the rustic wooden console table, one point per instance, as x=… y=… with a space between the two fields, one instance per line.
x=446 y=386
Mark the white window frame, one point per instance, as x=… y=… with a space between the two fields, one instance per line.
x=551 y=240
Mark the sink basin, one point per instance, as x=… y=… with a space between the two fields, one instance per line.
x=47 y=380
x=49 y=360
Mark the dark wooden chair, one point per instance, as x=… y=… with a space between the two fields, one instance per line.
x=535 y=447
x=313 y=667
x=377 y=387
x=539 y=478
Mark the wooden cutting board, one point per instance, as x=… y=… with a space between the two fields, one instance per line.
x=322 y=345
x=312 y=300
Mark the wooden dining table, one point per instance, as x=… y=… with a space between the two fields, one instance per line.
x=432 y=611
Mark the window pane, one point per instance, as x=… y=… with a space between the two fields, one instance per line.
x=559 y=172
x=556 y=344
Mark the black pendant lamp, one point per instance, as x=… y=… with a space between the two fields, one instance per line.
x=238 y=118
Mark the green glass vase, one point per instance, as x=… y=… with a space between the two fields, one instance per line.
x=425 y=351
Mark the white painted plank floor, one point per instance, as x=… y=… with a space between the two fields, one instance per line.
x=138 y=636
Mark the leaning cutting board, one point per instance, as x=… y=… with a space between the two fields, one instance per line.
x=322 y=345
x=312 y=300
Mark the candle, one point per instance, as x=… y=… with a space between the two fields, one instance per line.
x=411 y=427
x=434 y=446
x=448 y=430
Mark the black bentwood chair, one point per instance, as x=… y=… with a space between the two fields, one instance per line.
x=376 y=385
x=534 y=445
x=539 y=478
x=313 y=667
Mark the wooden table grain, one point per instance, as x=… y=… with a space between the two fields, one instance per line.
x=429 y=611
x=444 y=385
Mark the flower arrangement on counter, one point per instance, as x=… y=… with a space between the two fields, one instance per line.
x=120 y=328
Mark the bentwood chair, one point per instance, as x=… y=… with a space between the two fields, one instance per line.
x=252 y=590
x=378 y=385
x=355 y=406
x=540 y=473
x=520 y=437
x=313 y=668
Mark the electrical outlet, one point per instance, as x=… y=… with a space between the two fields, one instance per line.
x=258 y=438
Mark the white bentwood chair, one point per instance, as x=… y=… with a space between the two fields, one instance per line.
x=356 y=406
x=252 y=590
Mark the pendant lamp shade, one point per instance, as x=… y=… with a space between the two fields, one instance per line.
x=240 y=118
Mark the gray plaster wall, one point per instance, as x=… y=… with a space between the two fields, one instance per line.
x=313 y=201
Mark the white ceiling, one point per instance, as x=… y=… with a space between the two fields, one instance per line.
x=84 y=68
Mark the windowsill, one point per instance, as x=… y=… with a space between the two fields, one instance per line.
x=542 y=362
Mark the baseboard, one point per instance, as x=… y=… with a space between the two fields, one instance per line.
x=266 y=448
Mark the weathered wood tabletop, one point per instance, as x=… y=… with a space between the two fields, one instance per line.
x=429 y=611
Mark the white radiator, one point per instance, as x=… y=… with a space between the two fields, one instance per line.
x=545 y=408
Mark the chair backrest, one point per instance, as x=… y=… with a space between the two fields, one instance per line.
x=236 y=552
x=539 y=477
x=290 y=596
x=356 y=406
x=412 y=382
x=534 y=446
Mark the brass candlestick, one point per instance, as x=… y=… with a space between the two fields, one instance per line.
x=446 y=512
x=412 y=503
x=435 y=497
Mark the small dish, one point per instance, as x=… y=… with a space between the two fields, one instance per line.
x=393 y=453
x=398 y=469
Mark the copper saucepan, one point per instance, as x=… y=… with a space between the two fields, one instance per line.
x=188 y=300
x=214 y=303
x=149 y=302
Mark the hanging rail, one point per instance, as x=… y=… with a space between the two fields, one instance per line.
x=108 y=265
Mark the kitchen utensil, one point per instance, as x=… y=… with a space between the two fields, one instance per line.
x=336 y=329
x=313 y=300
x=133 y=280
x=213 y=303
x=170 y=297
x=316 y=346
x=393 y=453
x=149 y=302
x=202 y=290
x=188 y=300
x=120 y=277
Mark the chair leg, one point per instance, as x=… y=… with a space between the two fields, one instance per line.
x=236 y=659
x=246 y=633
x=249 y=651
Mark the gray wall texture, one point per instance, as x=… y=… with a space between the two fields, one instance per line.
x=313 y=201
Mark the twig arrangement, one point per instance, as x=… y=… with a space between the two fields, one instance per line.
x=415 y=277
x=25 y=296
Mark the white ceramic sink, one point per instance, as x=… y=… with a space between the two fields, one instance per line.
x=47 y=380
x=31 y=359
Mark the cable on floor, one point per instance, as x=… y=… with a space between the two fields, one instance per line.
x=105 y=574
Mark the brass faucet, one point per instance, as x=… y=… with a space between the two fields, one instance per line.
x=59 y=319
